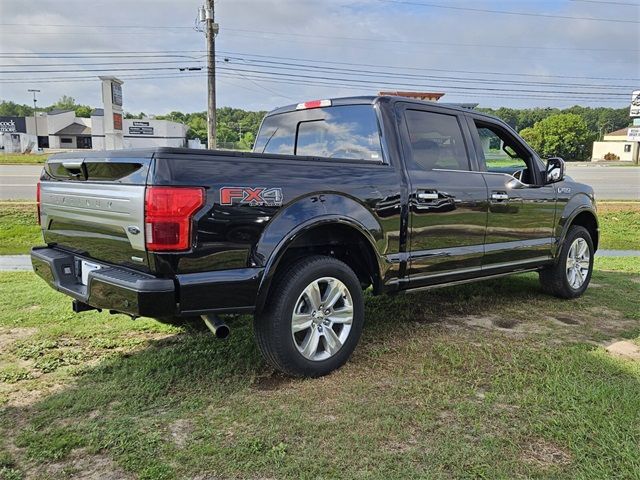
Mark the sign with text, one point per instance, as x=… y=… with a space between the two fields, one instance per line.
x=13 y=124
x=634 y=111
x=140 y=130
x=633 y=134
x=116 y=93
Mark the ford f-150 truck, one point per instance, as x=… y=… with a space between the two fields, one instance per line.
x=338 y=196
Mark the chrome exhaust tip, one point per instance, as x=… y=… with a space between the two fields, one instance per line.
x=217 y=326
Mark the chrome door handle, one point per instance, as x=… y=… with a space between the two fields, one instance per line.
x=499 y=196
x=427 y=195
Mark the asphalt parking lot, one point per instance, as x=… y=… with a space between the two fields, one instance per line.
x=18 y=182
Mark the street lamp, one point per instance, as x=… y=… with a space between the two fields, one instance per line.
x=35 y=118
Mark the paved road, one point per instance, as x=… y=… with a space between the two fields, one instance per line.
x=609 y=183
x=18 y=182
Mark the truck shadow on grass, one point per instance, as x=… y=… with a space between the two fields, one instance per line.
x=189 y=403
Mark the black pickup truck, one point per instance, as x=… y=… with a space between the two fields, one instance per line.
x=337 y=196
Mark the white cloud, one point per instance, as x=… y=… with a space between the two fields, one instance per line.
x=322 y=26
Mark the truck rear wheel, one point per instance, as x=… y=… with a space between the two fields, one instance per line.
x=569 y=277
x=313 y=318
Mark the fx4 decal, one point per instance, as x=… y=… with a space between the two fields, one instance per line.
x=564 y=190
x=254 y=197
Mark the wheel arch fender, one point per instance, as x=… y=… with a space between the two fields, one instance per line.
x=319 y=210
x=580 y=210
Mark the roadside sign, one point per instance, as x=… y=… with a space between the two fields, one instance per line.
x=634 y=111
x=633 y=134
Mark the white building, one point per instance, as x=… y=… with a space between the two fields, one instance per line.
x=141 y=133
x=61 y=129
x=616 y=146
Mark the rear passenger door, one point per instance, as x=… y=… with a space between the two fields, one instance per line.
x=447 y=198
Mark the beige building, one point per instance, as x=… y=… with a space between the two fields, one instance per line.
x=616 y=144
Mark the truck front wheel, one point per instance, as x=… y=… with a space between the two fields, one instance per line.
x=569 y=277
x=313 y=318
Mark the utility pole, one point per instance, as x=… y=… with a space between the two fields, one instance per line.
x=211 y=30
x=35 y=109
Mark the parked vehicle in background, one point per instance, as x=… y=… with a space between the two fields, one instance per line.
x=338 y=196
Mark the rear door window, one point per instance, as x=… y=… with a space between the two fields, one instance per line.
x=343 y=132
x=437 y=141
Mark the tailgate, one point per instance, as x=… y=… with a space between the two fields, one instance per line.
x=94 y=206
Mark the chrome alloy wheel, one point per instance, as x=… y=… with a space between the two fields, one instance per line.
x=578 y=261
x=322 y=318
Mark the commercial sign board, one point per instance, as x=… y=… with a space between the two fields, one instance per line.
x=116 y=93
x=140 y=128
x=13 y=125
x=117 y=121
x=634 y=111
x=633 y=134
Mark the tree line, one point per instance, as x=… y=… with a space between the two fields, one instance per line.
x=568 y=132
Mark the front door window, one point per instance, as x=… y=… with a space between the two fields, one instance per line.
x=503 y=154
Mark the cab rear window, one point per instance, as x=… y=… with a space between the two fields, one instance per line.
x=342 y=132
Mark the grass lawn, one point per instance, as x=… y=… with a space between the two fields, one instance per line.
x=19 y=158
x=492 y=380
x=619 y=226
x=19 y=229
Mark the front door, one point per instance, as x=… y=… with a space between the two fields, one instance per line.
x=447 y=201
x=83 y=142
x=520 y=226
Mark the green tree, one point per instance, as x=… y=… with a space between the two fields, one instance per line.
x=565 y=135
x=12 y=109
x=246 y=142
x=69 y=103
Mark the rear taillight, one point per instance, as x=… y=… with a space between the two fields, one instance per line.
x=38 y=202
x=168 y=212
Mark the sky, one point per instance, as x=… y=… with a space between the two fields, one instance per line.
x=277 y=52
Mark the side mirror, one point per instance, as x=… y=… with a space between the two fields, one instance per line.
x=555 y=170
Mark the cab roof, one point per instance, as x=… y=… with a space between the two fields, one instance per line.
x=373 y=99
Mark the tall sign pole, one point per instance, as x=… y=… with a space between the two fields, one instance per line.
x=211 y=32
x=35 y=110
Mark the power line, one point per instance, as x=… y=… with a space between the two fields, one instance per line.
x=608 y=3
x=346 y=85
x=434 y=86
x=72 y=25
x=395 y=84
x=176 y=53
x=290 y=71
x=507 y=12
x=348 y=71
x=95 y=64
x=469 y=72
x=414 y=42
x=360 y=72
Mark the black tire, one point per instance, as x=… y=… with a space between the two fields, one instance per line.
x=554 y=279
x=273 y=326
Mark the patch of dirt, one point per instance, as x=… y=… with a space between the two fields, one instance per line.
x=83 y=466
x=507 y=323
x=181 y=431
x=10 y=335
x=272 y=382
x=491 y=322
x=545 y=454
x=566 y=320
x=625 y=349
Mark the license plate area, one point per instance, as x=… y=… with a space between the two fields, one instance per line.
x=85 y=268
